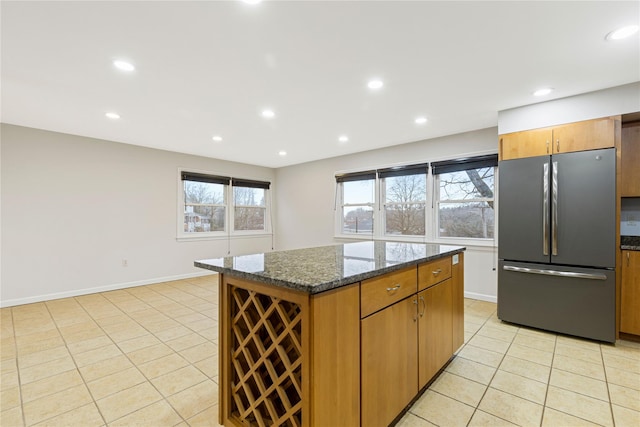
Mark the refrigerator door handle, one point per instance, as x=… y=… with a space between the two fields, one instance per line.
x=554 y=210
x=568 y=274
x=545 y=209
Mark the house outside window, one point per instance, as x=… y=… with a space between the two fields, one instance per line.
x=465 y=204
x=205 y=202
x=212 y=206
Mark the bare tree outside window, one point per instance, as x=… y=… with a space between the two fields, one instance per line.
x=249 y=208
x=404 y=205
x=204 y=208
x=466 y=203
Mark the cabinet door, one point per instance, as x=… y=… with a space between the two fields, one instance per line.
x=581 y=136
x=435 y=327
x=529 y=143
x=630 y=159
x=630 y=293
x=389 y=369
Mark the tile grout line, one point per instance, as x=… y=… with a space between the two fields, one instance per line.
x=604 y=368
x=165 y=399
x=476 y=409
x=84 y=382
x=15 y=344
x=95 y=402
x=546 y=392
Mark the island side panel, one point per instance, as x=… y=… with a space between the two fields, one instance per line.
x=270 y=327
x=457 y=276
x=335 y=357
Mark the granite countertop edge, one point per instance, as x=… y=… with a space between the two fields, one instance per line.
x=630 y=248
x=326 y=286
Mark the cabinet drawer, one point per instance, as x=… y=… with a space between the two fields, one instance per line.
x=380 y=292
x=433 y=272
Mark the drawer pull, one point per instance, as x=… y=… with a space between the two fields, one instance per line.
x=438 y=271
x=395 y=288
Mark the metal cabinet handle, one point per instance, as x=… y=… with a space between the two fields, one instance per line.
x=395 y=288
x=627 y=259
x=438 y=271
x=415 y=317
x=424 y=306
x=547 y=146
x=554 y=211
x=545 y=208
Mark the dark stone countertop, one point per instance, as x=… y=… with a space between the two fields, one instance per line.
x=630 y=243
x=319 y=269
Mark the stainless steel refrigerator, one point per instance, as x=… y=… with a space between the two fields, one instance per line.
x=556 y=243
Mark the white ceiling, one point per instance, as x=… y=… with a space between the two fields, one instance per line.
x=209 y=68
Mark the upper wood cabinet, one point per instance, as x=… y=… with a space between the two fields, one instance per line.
x=579 y=136
x=630 y=160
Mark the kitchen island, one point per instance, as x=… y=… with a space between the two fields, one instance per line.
x=341 y=335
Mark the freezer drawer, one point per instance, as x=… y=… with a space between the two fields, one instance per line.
x=569 y=300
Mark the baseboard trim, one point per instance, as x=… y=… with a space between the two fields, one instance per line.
x=481 y=297
x=97 y=289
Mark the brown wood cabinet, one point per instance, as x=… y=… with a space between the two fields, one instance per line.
x=389 y=368
x=407 y=343
x=630 y=160
x=578 y=136
x=354 y=355
x=630 y=293
x=457 y=292
x=435 y=340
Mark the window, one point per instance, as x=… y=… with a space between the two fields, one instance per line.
x=358 y=198
x=465 y=199
x=205 y=202
x=249 y=205
x=405 y=196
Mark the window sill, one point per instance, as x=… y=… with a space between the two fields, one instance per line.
x=483 y=243
x=223 y=237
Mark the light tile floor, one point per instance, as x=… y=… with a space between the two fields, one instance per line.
x=147 y=356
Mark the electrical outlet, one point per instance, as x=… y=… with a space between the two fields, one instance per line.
x=125 y=263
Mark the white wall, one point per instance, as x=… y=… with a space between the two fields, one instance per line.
x=602 y=103
x=306 y=197
x=73 y=208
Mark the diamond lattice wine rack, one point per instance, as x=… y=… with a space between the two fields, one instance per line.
x=266 y=359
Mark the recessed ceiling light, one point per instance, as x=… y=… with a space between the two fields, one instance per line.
x=420 y=120
x=543 y=91
x=123 y=65
x=112 y=115
x=282 y=153
x=268 y=114
x=343 y=138
x=622 y=33
x=375 y=84
x=217 y=138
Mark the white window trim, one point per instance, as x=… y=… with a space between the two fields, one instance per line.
x=229 y=232
x=431 y=213
x=478 y=241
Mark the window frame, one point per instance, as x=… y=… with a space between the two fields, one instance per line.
x=229 y=231
x=383 y=175
x=431 y=206
x=242 y=183
x=460 y=165
x=341 y=179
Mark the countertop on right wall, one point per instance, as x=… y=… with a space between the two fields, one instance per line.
x=630 y=243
